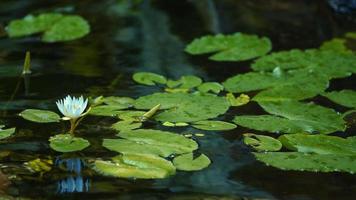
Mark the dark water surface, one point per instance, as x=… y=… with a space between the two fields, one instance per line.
x=150 y=36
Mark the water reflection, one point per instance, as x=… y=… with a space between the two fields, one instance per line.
x=74 y=182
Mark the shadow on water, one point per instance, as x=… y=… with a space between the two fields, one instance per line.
x=131 y=36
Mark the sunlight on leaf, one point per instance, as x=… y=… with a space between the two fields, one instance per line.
x=40 y=116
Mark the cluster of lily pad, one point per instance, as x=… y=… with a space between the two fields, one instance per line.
x=285 y=83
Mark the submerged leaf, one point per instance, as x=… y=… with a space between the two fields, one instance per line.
x=181 y=107
x=308 y=162
x=148 y=78
x=262 y=142
x=346 y=98
x=187 y=162
x=67 y=143
x=236 y=47
x=40 y=116
x=211 y=125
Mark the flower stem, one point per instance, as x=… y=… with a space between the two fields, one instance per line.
x=73 y=125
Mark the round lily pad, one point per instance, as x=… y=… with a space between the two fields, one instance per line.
x=67 y=143
x=187 y=162
x=262 y=142
x=40 y=116
x=211 y=125
x=148 y=78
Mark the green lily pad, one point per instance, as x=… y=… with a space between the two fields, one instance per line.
x=211 y=87
x=32 y=24
x=185 y=82
x=187 y=162
x=345 y=98
x=170 y=124
x=5 y=133
x=40 y=116
x=67 y=143
x=252 y=81
x=319 y=144
x=142 y=166
x=131 y=115
x=237 y=101
x=295 y=117
x=107 y=110
x=236 y=47
x=262 y=142
x=67 y=28
x=155 y=142
x=332 y=64
x=181 y=107
x=123 y=102
x=126 y=125
x=277 y=81
x=308 y=162
x=56 y=27
x=211 y=125
x=336 y=45
x=148 y=78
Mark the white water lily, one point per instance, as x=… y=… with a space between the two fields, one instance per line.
x=71 y=107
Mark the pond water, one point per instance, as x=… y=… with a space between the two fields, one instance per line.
x=132 y=36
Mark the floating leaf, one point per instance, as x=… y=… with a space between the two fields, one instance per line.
x=124 y=102
x=185 y=82
x=5 y=133
x=129 y=115
x=40 y=116
x=320 y=144
x=141 y=166
x=211 y=86
x=236 y=47
x=170 y=124
x=210 y=125
x=151 y=142
x=107 y=110
x=298 y=117
x=346 y=98
x=187 y=162
x=262 y=142
x=181 y=107
x=251 y=81
x=336 y=45
x=308 y=162
x=67 y=28
x=126 y=125
x=237 y=101
x=332 y=64
x=67 y=143
x=56 y=27
x=148 y=78
x=32 y=24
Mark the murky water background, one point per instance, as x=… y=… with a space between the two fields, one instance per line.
x=128 y=37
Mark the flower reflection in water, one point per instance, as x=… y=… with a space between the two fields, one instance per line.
x=74 y=182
